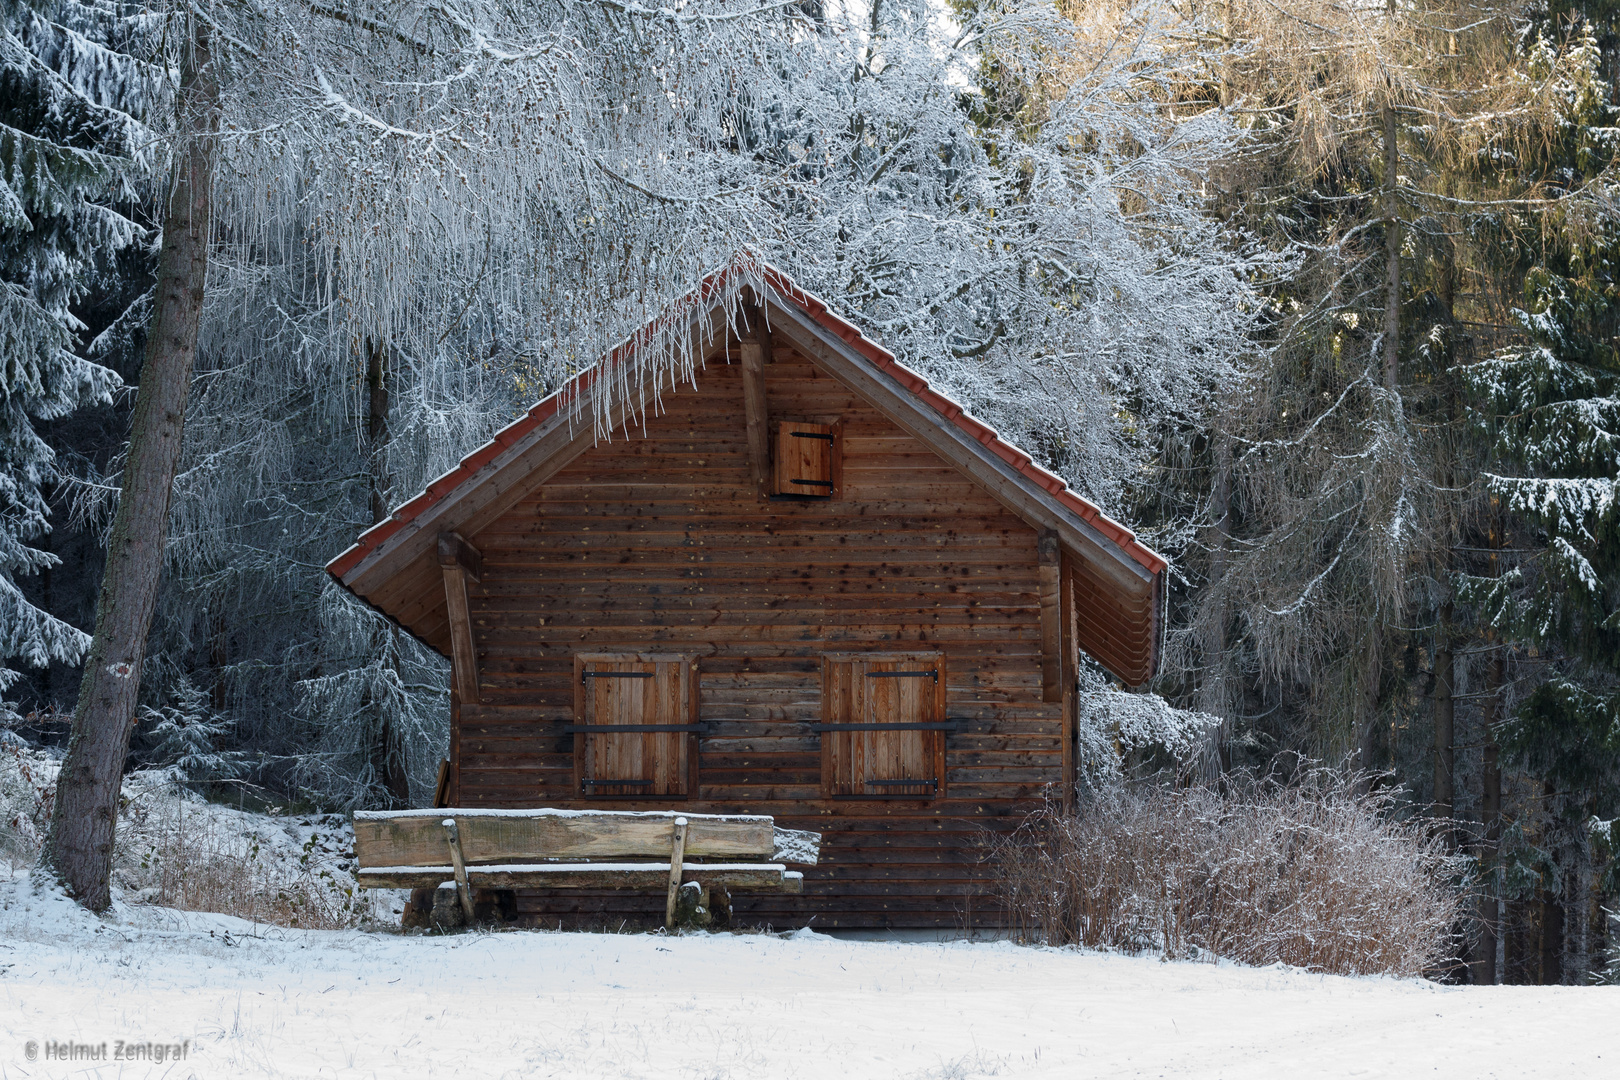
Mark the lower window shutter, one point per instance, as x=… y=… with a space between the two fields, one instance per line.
x=624 y=698
x=883 y=732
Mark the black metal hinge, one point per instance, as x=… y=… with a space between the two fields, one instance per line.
x=947 y=725
x=600 y=729
x=932 y=781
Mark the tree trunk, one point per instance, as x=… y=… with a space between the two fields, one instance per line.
x=79 y=848
x=1368 y=755
x=389 y=753
x=1487 y=970
x=1215 y=689
x=377 y=430
x=1490 y=811
x=219 y=656
x=1552 y=907
x=1392 y=250
x=1228 y=46
x=1445 y=714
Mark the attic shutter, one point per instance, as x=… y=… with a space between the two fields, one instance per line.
x=884 y=730
x=619 y=750
x=804 y=459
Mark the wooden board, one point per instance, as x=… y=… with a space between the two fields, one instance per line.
x=871 y=695
x=652 y=876
x=629 y=691
x=804 y=459
x=418 y=840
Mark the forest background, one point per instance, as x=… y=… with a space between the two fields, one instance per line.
x=1320 y=297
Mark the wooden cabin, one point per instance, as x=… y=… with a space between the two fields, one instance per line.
x=808 y=586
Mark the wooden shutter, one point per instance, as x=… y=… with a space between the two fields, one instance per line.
x=630 y=697
x=883 y=729
x=804 y=459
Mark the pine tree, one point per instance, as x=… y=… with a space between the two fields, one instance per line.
x=1544 y=590
x=1553 y=409
x=186 y=736
x=69 y=139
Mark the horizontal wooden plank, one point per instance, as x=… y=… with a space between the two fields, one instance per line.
x=582 y=876
x=628 y=633
x=398 y=840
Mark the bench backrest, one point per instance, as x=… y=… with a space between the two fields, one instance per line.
x=417 y=837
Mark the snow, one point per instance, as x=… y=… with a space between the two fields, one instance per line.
x=797 y=846
x=255 y=1001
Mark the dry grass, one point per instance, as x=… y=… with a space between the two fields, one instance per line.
x=184 y=857
x=175 y=850
x=1313 y=873
x=27 y=791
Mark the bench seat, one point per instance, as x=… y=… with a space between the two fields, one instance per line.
x=639 y=875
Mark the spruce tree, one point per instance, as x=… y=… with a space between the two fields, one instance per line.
x=1552 y=408
x=1553 y=405
x=69 y=139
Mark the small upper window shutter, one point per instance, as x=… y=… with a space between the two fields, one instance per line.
x=625 y=696
x=804 y=459
x=883 y=731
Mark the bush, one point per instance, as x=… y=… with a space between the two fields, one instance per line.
x=27 y=790
x=1313 y=872
x=1610 y=974
x=175 y=850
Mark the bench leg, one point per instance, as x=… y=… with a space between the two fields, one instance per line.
x=453 y=835
x=418 y=911
x=677 y=855
x=719 y=904
x=496 y=906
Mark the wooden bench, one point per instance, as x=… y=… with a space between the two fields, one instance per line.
x=577 y=849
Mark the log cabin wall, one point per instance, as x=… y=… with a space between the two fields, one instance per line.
x=661 y=542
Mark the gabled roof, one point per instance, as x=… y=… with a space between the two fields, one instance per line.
x=1125 y=575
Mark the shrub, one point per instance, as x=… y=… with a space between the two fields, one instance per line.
x=27 y=790
x=1313 y=872
x=175 y=850
x=1610 y=974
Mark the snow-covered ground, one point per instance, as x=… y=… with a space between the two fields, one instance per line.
x=269 y=1002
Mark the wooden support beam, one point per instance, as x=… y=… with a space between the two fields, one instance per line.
x=455 y=551
x=453 y=835
x=1071 y=682
x=677 y=856
x=1049 y=575
x=756 y=348
x=459 y=560
x=452 y=791
x=441 y=787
